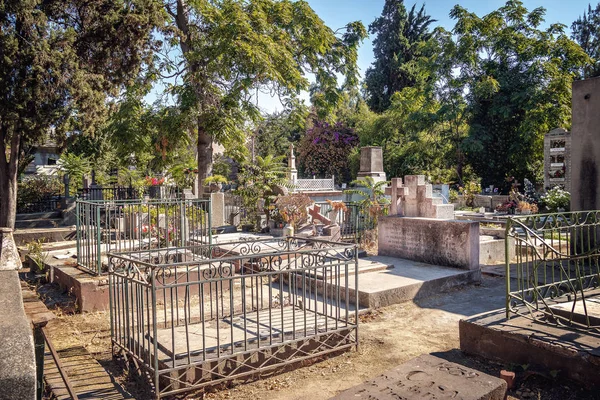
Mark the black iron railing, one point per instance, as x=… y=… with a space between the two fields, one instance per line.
x=42 y=206
x=105 y=226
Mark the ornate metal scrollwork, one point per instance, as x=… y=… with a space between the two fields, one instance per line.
x=222 y=270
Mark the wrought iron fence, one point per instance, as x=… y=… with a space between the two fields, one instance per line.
x=112 y=226
x=128 y=193
x=232 y=310
x=356 y=221
x=108 y=193
x=234 y=211
x=49 y=204
x=557 y=270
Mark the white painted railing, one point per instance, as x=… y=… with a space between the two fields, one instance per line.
x=313 y=185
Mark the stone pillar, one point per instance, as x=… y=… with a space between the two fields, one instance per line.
x=292 y=171
x=217 y=209
x=371 y=163
x=18 y=368
x=9 y=254
x=585 y=145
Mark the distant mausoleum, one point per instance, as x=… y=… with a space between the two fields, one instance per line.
x=557 y=159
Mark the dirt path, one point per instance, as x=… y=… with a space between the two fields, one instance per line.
x=388 y=337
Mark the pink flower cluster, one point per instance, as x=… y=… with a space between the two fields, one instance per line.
x=154 y=181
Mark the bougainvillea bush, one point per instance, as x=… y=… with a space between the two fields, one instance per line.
x=324 y=151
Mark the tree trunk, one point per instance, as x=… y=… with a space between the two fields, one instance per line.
x=204 y=157
x=8 y=179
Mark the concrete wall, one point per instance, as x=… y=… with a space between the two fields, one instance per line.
x=433 y=241
x=489 y=202
x=585 y=146
x=17 y=357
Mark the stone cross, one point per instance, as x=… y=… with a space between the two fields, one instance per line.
x=315 y=213
x=398 y=192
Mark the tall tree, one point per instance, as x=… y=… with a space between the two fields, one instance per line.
x=60 y=59
x=517 y=80
x=586 y=32
x=232 y=48
x=398 y=46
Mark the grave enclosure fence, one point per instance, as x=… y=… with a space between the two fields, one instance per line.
x=355 y=222
x=202 y=315
x=556 y=276
x=105 y=226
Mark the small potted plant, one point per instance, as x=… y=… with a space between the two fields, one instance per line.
x=557 y=199
x=215 y=183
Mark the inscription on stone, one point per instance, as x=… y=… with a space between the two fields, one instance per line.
x=445 y=243
x=432 y=378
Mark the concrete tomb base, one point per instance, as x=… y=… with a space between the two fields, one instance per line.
x=546 y=348
x=429 y=377
x=405 y=280
x=433 y=241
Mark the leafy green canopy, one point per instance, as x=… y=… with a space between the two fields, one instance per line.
x=232 y=48
x=58 y=62
x=586 y=32
x=324 y=150
x=517 y=79
x=399 y=48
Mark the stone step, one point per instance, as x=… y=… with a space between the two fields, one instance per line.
x=365 y=265
x=406 y=281
x=444 y=211
x=87 y=377
x=437 y=200
x=38 y=223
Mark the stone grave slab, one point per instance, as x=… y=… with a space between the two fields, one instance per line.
x=388 y=280
x=429 y=377
x=577 y=310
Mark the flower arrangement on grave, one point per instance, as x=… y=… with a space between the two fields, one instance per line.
x=154 y=181
x=336 y=207
x=294 y=208
x=527 y=208
x=275 y=216
x=556 y=198
x=508 y=206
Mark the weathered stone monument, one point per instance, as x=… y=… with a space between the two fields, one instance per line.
x=429 y=377
x=421 y=228
x=557 y=159
x=430 y=240
x=371 y=163
x=292 y=172
x=585 y=145
x=414 y=198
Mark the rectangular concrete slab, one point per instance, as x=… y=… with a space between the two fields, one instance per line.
x=429 y=377
x=440 y=242
x=543 y=347
x=406 y=281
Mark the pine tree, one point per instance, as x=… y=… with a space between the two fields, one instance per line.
x=398 y=46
